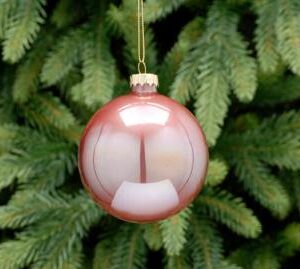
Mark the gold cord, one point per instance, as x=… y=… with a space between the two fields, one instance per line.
x=141 y=37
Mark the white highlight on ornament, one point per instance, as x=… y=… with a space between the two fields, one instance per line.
x=112 y=161
x=168 y=155
x=142 y=115
x=145 y=198
x=88 y=163
x=200 y=156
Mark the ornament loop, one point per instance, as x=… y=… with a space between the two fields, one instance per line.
x=142 y=68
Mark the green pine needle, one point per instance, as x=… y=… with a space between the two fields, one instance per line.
x=174 y=232
x=6 y=9
x=217 y=171
x=288 y=241
x=47 y=111
x=263 y=186
x=265 y=35
x=66 y=13
x=231 y=211
x=206 y=245
x=155 y=10
x=129 y=249
x=265 y=258
x=288 y=33
x=184 y=84
x=218 y=62
x=22 y=28
x=177 y=262
x=29 y=206
x=152 y=236
x=27 y=77
x=98 y=81
x=171 y=63
x=64 y=56
x=103 y=255
x=25 y=252
x=280 y=91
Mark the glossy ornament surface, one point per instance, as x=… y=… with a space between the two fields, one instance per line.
x=143 y=156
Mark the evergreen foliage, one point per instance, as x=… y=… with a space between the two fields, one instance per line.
x=218 y=63
x=173 y=232
x=231 y=211
x=217 y=171
x=153 y=236
x=22 y=27
x=234 y=64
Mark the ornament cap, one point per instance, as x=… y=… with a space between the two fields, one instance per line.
x=142 y=79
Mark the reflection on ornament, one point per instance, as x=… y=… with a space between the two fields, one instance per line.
x=143 y=156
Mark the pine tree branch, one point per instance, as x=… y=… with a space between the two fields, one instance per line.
x=25 y=252
x=152 y=236
x=206 y=245
x=98 y=69
x=263 y=256
x=219 y=61
x=7 y=107
x=226 y=265
x=265 y=35
x=47 y=162
x=8 y=136
x=281 y=91
x=177 y=262
x=212 y=96
x=66 y=13
x=27 y=77
x=48 y=111
x=75 y=259
x=174 y=232
x=183 y=86
x=65 y=54
x=293 y=180
x=7 y=8
x=266 y=258
x=129 y=249
x=47 y=248
x=288 y=241
x=263 y=186
x=22 y=28
x=241 y=67
x=29 y=206
x=217 y=171
x=10 y=170
x=241 y=256
x=231 y=211
x=172 y=61
x=212 y=93
x=103 y=255
x=275 y=141
x=155 y=10
x=288 y=33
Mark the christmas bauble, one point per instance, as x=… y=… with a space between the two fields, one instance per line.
x=143 y=156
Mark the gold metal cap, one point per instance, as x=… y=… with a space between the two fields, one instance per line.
x=143 y=79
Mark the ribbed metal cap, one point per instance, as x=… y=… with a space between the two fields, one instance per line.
x=143 y=79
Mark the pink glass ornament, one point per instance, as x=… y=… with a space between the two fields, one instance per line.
x=143 y=156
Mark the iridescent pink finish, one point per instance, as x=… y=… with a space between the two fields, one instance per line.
x=143 y=156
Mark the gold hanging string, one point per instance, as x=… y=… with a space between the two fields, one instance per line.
x=141 y=38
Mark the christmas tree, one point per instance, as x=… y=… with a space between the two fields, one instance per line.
x=234 y=63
